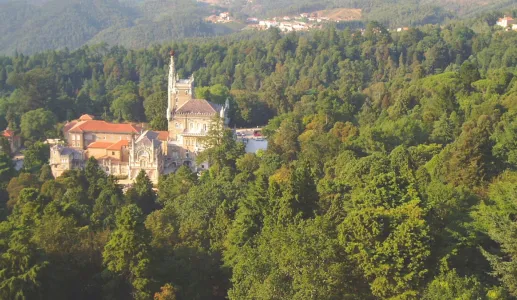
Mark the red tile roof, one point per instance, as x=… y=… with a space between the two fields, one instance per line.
x=109 y=145
x=86 y=117
x=69 y=125
x=103 y=126
x=163 y=135
x=8 y=133
x=100 y=145
x=118 y=145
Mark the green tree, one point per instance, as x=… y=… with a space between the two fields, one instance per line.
x=126 y=105
x=469 y=73
x=5 y=146
x=127 y=251
x=38 y=124
x=35 y=156
x=142 y=193
x=155 y=106
x=495 y=218
x=452 y=286
x=221 y=148
x=23 y=268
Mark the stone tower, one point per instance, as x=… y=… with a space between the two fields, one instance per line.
x=180 y=91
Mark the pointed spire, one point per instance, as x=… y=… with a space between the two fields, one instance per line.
x=171 y=86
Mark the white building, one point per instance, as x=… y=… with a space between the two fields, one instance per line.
x=505 y=22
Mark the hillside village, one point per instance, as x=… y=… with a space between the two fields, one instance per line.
x=300 y=22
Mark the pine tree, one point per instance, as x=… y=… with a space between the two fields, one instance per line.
x=142 y=194
x=127 y=251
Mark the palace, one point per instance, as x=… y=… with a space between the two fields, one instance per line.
x=123 y=150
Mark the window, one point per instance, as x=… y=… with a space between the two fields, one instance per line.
x=178 y=125
x=204 y=127
x=191 y=126
x=112 y=152
x=143 y=163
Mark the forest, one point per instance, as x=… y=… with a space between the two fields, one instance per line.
x=390 y=171
x=32 y=26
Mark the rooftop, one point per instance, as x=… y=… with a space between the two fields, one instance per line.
x=109 y=145
x=100 y=145
x=163 y=135
x=118 y=145
x=102 y=126
x=65 y=150
x=149 y=137
x=86 y=117
x=8 y=133
x=199 y=107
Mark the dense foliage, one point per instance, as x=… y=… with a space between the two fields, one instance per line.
x=32 y=26
x=390 y=172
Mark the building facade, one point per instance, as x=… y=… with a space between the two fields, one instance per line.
x=15 y=141
x=123 y=150
x=64 y=158
x=189 y=119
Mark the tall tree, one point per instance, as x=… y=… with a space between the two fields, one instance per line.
x=127 y=252
x=142 y=193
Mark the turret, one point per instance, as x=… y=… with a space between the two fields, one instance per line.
x=171 y=87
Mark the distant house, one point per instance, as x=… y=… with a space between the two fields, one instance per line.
x=304 y=15
x=268 y=23
x=15 y=141
x=505 y=22
x=225 y=16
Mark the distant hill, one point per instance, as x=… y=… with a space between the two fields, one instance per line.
x=36 y=25
x=30 y=26
x=388 y=12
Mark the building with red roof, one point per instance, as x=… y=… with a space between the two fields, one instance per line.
x=125 y=149
x=118 y=150
x=15 y=141
x=505 y=22
x=86 y=130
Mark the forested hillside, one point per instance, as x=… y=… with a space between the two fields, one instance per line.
x=390 y=172
x=389 y=12
x=30 y=27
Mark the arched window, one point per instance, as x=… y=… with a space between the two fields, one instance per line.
x=143 y=162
